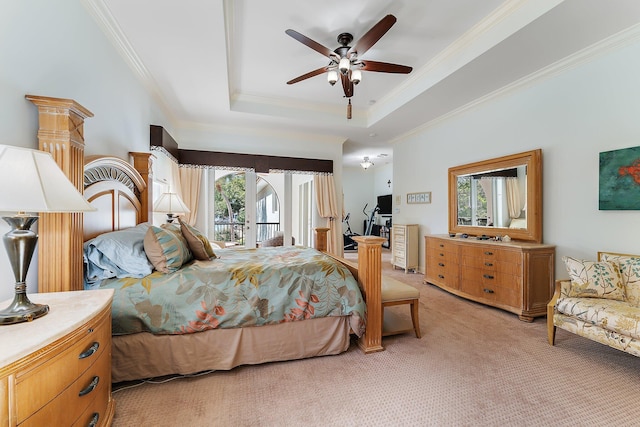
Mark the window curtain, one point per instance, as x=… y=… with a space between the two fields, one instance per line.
x=190 y=179
x=327 y=202
x=513 y=198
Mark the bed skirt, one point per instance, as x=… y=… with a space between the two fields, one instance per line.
x=145 y=355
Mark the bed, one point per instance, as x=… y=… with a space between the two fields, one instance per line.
x=313 y=319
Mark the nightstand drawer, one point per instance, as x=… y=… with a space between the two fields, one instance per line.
x=67 y=408
x=37 y=387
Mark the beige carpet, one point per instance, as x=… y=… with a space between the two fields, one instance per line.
x=474 y=366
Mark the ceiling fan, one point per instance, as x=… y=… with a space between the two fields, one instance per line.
x=345 y=62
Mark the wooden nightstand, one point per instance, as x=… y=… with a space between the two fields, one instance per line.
x=56 y=370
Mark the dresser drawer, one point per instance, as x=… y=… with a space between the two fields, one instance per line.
x=492 y=265
x=75 y=400
x=37 y=387
x=399 y=231
x=495 y=253
x=440 y=272
x=442 y=245
x=492 y=292
x=490 y=277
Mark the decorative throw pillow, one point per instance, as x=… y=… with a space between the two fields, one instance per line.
x=198 y=243
x=594 y=279
x=630 y=271
x=166 y=251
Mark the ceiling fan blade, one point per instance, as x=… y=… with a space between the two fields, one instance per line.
x=311 y=43
x=373 y=35
x=308 y=75
x=347 y=85
x=385 y=67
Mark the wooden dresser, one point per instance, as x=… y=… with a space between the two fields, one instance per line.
x=515 y=276
x=404 y=246
x=56 y=370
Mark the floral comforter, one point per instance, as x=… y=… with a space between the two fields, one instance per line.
x=243 y=287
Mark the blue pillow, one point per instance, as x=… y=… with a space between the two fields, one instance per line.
x=117 y=254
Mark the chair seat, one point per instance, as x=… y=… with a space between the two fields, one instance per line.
x=395 y=290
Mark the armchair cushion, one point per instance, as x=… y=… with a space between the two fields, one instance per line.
x=630 y=270
x=593 y=279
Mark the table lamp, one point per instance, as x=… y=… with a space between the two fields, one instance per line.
x=172 y=205
x=31 y=182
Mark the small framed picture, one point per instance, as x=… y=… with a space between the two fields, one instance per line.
x=414 y=198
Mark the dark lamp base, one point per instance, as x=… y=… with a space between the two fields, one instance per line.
x=22 y=310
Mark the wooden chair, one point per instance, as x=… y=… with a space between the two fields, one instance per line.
x=395 y=292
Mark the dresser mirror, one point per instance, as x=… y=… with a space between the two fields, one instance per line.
x=498 y=197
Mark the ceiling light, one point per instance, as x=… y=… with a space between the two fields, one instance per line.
x=366 y=164
x=344 y=65
x=332 y=77
x=356 y=76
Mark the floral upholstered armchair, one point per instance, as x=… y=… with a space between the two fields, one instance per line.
x=600 y=301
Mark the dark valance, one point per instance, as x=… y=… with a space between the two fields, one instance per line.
x=159 y=137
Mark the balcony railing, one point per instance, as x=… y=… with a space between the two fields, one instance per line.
x=234 y=231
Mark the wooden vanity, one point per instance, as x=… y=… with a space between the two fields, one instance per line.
x=515 y=276
x=493 y=199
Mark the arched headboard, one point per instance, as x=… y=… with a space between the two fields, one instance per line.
x=117 y=191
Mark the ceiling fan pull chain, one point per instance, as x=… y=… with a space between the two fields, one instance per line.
x=349 y=110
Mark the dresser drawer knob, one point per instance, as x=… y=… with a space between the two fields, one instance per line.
x=487 y=276
x=92 y=385
x=441 y=276
x=441 y=254
x=441 y=245
x=488 y=291
x=488 y=253
x=488 y=264
x=94 y=420
x=441 y=264
x=90 y=351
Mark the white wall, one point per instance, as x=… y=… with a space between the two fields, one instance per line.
x=362 y=187
x=358 y=190
x=56 y=49
x=572 y=116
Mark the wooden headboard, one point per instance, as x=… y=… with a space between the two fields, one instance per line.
x=118 y=192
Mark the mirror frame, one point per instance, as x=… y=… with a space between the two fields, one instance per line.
x=533 y=161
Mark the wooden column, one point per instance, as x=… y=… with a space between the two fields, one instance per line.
x=320 y=238
x=370 y=280
x=142 y=162
x=61 y=133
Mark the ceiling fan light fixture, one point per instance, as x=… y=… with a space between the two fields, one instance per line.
x=344 y=65
x=332 y=77
x=366 y=164
x=356 y=76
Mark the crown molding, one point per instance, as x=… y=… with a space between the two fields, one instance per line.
x=588 y=54
x=503 y=22
x=109 y=25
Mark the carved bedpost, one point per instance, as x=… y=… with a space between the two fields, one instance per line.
x=320 y=238
x=370 y=280
x=142 y=163
x=61 y=133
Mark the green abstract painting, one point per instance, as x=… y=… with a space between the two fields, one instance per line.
x=620 y=179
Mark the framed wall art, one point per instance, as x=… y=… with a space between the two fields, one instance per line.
x=619 y=185
x=414 y=198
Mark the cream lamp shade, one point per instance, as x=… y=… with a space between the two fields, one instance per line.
x=31 y=182
x=170 y=203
